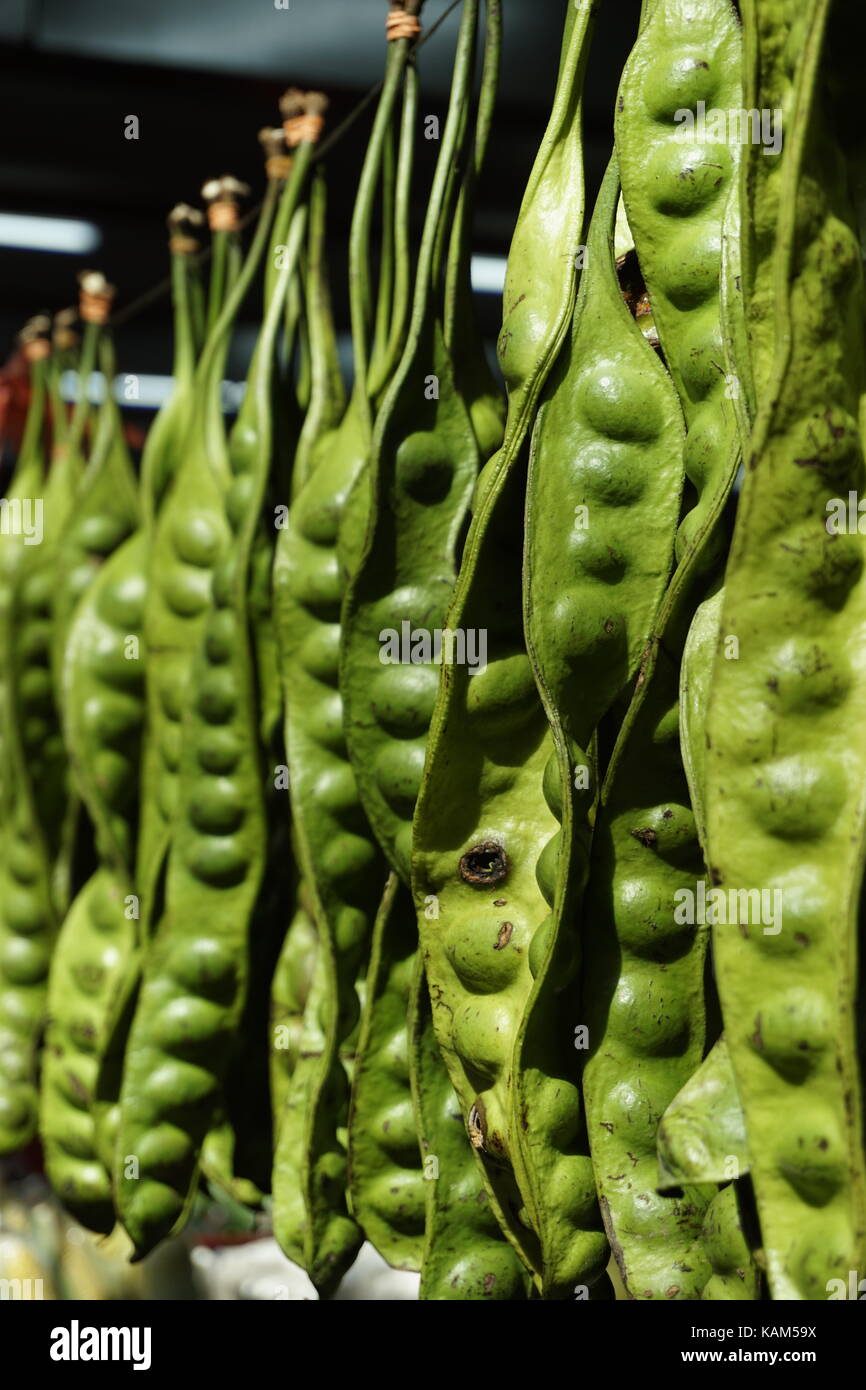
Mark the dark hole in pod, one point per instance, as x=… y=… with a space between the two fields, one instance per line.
x=476 y=1125
x=484 y=864
x=636 y=296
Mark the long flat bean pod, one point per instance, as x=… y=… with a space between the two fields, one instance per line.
x=465 y=1255
x=481 y=816
x=643 y=978
x=290 y=990
x=423 y=466
x=105 y=512
x=159 y=462
x=609 y=501
x=676 y=186
x=785 y=800
x=196 y=974
x=33 y=698
x=385 y=1176
x=339 y=859
x=26 y=916
x=98 y=947
x=188 y=535
x=734 y=1275
x=35 y=782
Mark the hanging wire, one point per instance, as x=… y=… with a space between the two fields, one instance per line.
x=162 y=288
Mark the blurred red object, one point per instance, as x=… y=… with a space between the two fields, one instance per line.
x=14 y=400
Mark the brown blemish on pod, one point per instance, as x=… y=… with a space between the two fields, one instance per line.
x=504 y=936
x=484 y=864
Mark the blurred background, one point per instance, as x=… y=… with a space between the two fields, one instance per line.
x=203 y=77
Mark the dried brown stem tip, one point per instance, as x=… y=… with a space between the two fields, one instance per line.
x=37 y=327
x=96 y=296
x=184 y=215
x=65 y=330
x=272 y=140
x=222 y=196
x=307 y=125
x=183 y=222
x=292 y=103
x=278 y=164
x=402 y=20
x=35 y=338
x=317 y=103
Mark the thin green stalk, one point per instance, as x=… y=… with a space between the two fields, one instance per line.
x=360 y=296
x=385 y=287
x=218 y=278
x=86 y=367
x=402 y=232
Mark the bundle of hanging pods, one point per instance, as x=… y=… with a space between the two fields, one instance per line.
x=435 y=816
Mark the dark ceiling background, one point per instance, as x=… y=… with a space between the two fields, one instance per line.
x=203 y=76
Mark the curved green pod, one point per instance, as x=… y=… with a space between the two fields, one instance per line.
x=103 y=694
x=643 y=998
x=38 y=812
x=336 y=854
x=385 y=1178
x=422 y=469
x=735 y=1277
x=196 y=974
x=537 y=307
x=290 y=990
x=27 y=915
x=603 y=493
x=481 y=813
x=696 y=683
x=702 y=1134
x=253 y=1086
x=465 y=1255
x=104 y=704
x=643 y=977
x=286 y=431
x=32 y=694
x=23 y=498
x=159 y=462
x=249 y=1105
x=338 y=858
x=480 y=827
x=702 y=1139
x=105 y=511
x=189 y=534
x=676 y=179
x=294 y=1149
x=88 y=969
x=784 y=766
